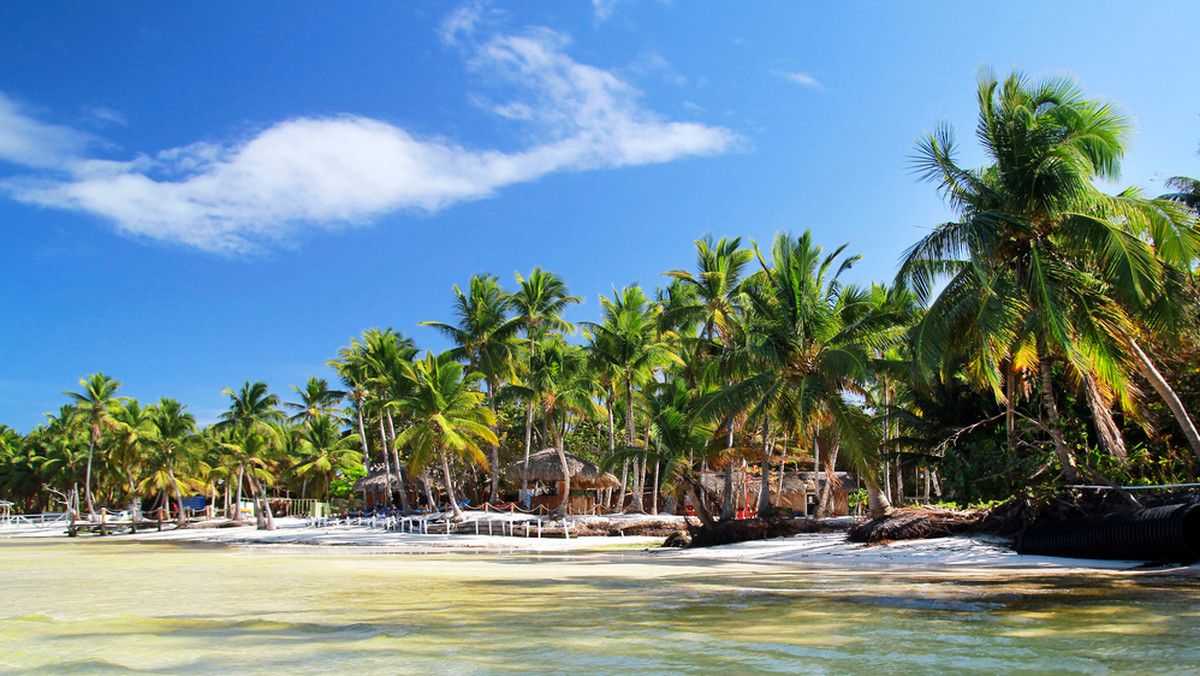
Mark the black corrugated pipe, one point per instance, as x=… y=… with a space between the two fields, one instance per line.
x=1170 y=533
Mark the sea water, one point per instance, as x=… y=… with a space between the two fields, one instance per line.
x=106 y=607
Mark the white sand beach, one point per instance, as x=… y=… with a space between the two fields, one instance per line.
x=823 y=551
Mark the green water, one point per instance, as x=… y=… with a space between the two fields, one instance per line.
x=103 y=607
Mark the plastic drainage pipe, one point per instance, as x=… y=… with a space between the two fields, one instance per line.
x=1170 y=533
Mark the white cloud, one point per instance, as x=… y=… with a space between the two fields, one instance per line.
x=337 y=171
x=31 y=143
x=803 y=79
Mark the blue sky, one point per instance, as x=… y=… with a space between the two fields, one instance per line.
x=197 y=194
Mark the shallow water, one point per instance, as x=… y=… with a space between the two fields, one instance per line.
x=102 y=607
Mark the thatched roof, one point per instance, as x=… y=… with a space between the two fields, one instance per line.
x=377 y=479
x=844 y=481
x=794 y=483
x=545 y=466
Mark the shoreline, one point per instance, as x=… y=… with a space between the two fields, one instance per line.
x=823 y=552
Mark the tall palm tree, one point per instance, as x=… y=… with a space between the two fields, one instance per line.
x=539 y=301
x=631 y=343
x=172 y=440
x=484 y=338
x=1040 y=256
x=447 y=416
x=96 y=403
x=716 y=306
x=316 y=399
x=251 y=417
x=809 y=349
x=325 y=452
x=133 y=429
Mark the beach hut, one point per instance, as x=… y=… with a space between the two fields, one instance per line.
x=545 y=467
x=374 y=487
x=802 y=491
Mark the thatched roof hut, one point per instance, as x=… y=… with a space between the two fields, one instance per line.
x=545 y=466
x=378 y=478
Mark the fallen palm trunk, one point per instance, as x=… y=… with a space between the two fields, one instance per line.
x=1170 y=533
x=915 y=523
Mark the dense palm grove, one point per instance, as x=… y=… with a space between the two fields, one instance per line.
x=1046 y=336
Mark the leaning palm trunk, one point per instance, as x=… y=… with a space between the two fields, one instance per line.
x=727 y=510
x=458 y=515
x=133 y=503
x=362 y=435
x=564 y=508
x=624 y=477
x=695 y=491
x=825 y=503
x=1065 y=457
x=878 y=505
x=400 y=473
x=241 y=483
x=428 y=491
x=179 y=520
x=87 y=478
x=528 y=443
x=1164 y=390
x=266 y=504
x=764 y=492
x=654 y=493
x=387 y=465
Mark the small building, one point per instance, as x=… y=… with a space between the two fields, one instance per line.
x=546 y=467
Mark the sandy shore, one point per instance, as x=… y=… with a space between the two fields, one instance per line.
x=823 y=551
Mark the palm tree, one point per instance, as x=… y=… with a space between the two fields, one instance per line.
x=808 y=350
x=1039 y=256
x=484 y=338
x=325 y=452
x=538 y=303
x=251 y=415
x=96 y=403
x=172 y=437
x=446 y=415
x=316 y=399
x=717 y=309
x=631 y=343
x=133 y=428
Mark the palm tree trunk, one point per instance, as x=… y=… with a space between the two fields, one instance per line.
x=654 y=493
x=458 y=515
x=241 y=482
x=727 y=508
x=179 y=520
x=387 y=465
x=764 y=490
x=362 y=435
x=428 y=491
x=1164 y=390
x=624 y=478
x=1065 y=457
x=699 y=500
x=87 y=478
x=528 y=443
x=132 y=502
x=564 y=508
x=1010 y=404
x=878 y=505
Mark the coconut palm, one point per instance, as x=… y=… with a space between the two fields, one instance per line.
x=171 y=439
x=539 y=301
x=808 y=351
x=325 y=451
x=1040 y=260
x=316 y=399
x=250 y=420
x=133 y=429
x=716 y=306
x=446 y=416
x=96 y=404
x=629 y=340
x=484 y=338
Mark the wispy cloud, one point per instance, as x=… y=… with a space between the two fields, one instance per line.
x=331 y=172
x=803 y=79
x=26 y=141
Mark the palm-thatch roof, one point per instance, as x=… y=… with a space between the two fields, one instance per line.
x=794 y=483
x=545 y=466
x=378 y=478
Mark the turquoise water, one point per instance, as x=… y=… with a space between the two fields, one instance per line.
x=102 y=607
